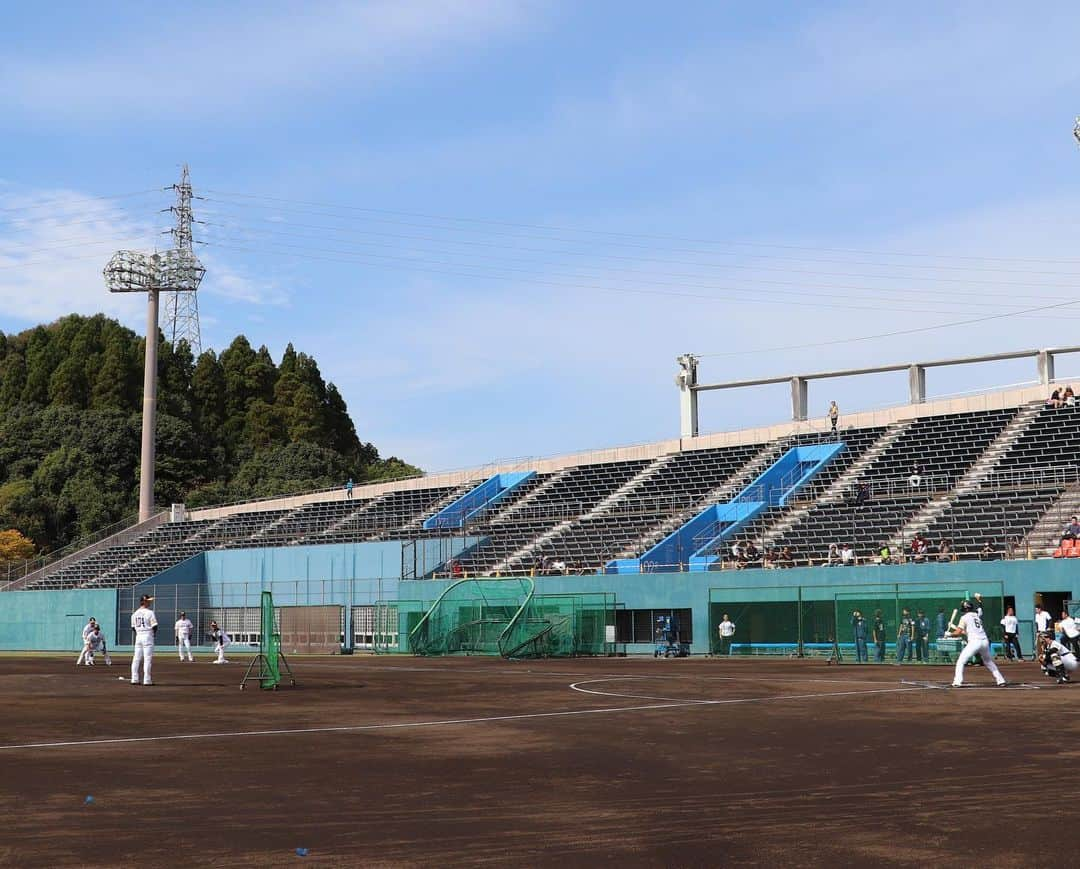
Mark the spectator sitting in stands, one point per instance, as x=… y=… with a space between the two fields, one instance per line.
x=1072 y=530
x=944 y=550
x=558 y=567
x=456 y=570
x=737 y=553
x=1067 y=397
x=834 y=556
x=862 y=493
x=988 y=552
x=847 y=556
x=919 y=548
x=769 y=559
x=752 y=554
x=884 y=554
x=787 y=557
x=1055 y=399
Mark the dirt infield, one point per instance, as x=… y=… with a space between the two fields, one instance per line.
x=403 y=761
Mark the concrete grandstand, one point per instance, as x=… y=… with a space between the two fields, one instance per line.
x=997 y=468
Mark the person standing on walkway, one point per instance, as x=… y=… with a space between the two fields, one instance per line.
x=727 y=633
x=858 y=630
x=905 y=637
x=879 y=637
x=1010 y=627
x=1044 y=630
x=834 y=415
x=922 y=637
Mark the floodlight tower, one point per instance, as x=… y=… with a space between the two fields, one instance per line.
x=182 y=306
x=177 y=270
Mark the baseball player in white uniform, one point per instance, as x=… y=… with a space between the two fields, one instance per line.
x=95 y=644
x=183 y=630
x=1059 y=661
x=221 y=640
x=84 y=652
x=144 y=627
x=978 y=643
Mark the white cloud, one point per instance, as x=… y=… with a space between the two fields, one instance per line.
x=53 y=248
x=246 y=58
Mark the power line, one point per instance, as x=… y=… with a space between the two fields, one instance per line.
x=894 y=334
x=55 y=201
x=419 y=265
x=980 y=294
x=659 y=237
x=692 y=251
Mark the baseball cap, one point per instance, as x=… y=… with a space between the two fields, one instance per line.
x=146 y=598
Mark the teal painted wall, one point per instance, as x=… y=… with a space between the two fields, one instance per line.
x=185 y=573
x=1021 y=579
x=53 y=620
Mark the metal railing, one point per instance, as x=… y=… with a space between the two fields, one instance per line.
x=20 y=574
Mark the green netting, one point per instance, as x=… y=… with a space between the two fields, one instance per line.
x=269 y=643
x=470 y=616
x=561 y=625
x=505 y=617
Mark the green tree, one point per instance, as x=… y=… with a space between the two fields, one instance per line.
x=289 y=468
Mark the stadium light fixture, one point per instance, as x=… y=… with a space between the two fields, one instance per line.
x=177 y=270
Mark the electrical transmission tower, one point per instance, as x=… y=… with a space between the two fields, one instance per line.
x=182 y=305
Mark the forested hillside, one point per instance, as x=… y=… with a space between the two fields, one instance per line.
x=230 y=427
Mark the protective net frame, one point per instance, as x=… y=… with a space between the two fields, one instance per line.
x=505 y=616
x=266 y=666
x=562 y=625
x=269 y=643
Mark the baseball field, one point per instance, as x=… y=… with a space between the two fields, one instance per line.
x=479 y=761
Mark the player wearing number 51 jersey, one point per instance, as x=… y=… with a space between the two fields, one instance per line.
x=144 y=626
x=978 y=643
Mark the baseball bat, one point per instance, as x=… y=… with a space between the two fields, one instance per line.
x=952 y=619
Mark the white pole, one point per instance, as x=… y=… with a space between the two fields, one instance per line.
x=149 y=416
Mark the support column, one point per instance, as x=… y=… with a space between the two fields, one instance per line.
x=1046 y=367
x=798 y=398
x=917 y=384
x=686 y=380
x=149 y=414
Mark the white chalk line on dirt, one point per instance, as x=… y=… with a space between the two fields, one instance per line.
x=747 y=677
x=576 y=686
x=446 y=722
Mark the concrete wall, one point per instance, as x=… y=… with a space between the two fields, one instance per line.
x=760 y=435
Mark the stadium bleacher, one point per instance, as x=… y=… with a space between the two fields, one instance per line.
x=974 y=476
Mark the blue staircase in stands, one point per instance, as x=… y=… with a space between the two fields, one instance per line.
x=696 y=542
x=475 y=503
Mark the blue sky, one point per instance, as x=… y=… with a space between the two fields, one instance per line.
x=497 y=224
